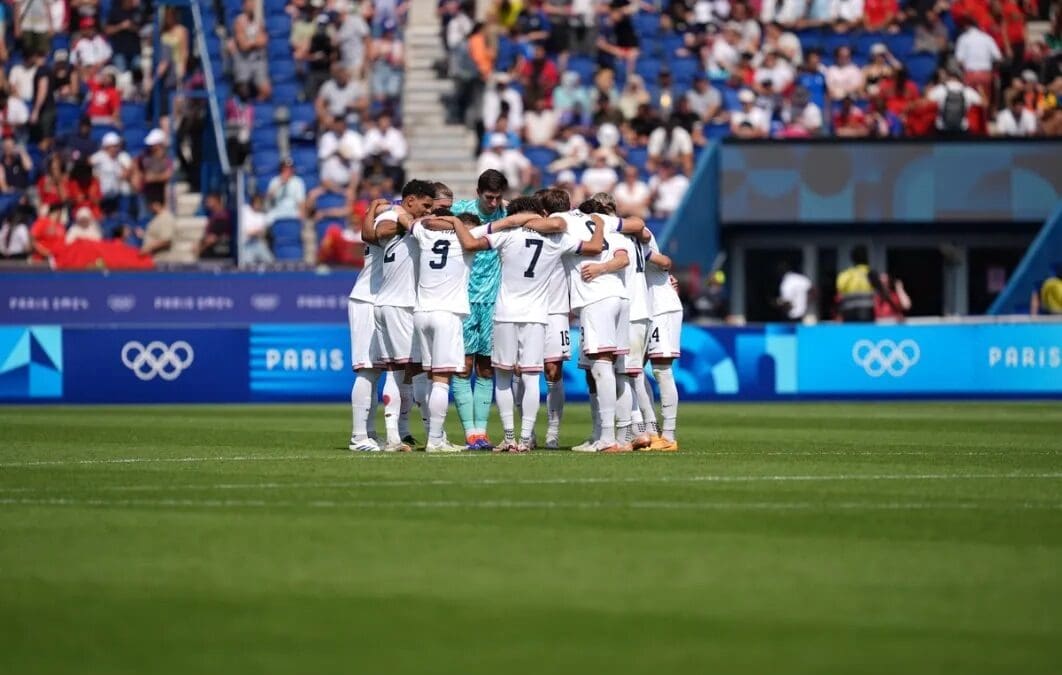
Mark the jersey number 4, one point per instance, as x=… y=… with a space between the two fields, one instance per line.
x=441 y=249
x=537 y=245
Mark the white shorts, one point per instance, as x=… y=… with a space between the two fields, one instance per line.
x=393 y=344
x=442 y=342
x=518 y=344
x=623 y=328
x=558 y=339
x=362 y=331
x=633 y=362
x=600 y=322
x=665 y=336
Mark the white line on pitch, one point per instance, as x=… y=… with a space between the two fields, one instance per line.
x=486 y=482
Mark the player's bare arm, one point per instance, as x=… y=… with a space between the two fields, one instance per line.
x=632 y=225
x=551 y=225
x=619 y=261
x=368 y=226
x=467 y=241
x=596 y=244
x=514 y=221
x=660 y=260
x=439 y=223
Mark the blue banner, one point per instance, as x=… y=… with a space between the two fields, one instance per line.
x=299 y=362
x=226 y=298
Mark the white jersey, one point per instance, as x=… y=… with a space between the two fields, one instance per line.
x=528 y=262
x=662 y=296
x=641 y=308
x=442 y=277
x=398 y=285
x=610 y=285
x=369 y=279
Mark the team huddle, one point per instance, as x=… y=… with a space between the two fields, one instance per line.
x=452 y=290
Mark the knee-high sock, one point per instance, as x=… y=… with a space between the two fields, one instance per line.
x=665 y=379
x=392 y=400
x=504 y=384
x=605 y=375
x=361 y=396
x=554 y=407
x=645 y=403
x=462 y=387
x=421 y=391
x=405 y=397
x=595 y=418
x=482 y=397
x=438 y=402
x=624 y=401
x=529 y=409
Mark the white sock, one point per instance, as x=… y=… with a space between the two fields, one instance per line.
x=554 y=407
x=665 y=379
x=605 y=376
x=595 y=417
x=645 y=404
x=405 y=398
x=421 y=391
x=361 y=395
x=503 y=397
x=530 y=404
x=438 y=402
x=624 y=401
x=392 y=406
x=518 y=392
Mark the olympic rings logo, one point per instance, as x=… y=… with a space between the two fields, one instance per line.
x=886 y=356
x=157 y=359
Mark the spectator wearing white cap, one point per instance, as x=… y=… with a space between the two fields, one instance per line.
x=750 y=121
x=113 y=168
x=510 y=161
x=154 y=168
x=84 y=227
x=599 y=177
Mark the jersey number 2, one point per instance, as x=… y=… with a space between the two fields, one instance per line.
x=537 y=245
x=442 y=249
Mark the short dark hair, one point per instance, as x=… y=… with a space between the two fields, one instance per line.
x=860 y=255
x=592 y=206
x=556 y=200
x=525 y=205
x=443 y=190
x=419 y=188
x=442 y=212
x=492 y=180
x=470 y=219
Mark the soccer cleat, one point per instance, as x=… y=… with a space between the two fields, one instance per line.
x=506 y=446
x=364 y=445
x=552 y=443
x=410 y=441
x=398 y=447
x=663 y=445
x=586 y=446
x=532 y=442
x=641 y=442
x=610 y=448
x=525 y=445
x=442 y=446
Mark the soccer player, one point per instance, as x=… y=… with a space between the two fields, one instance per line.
x=528 y=259
x=363 y=321
x=393 y=348
x=665 y=340
x=473 y=407
x=444 y=197
x=596 y=292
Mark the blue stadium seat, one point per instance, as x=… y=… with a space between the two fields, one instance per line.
x=810 y=39
x=585 y=66
x=508 y=51
x=321 y=226
x=648 y=68
x=302 y=112
x=287 y=239
x=864 y=41
x=265 y=160
x=540 y=156
x=66 y=116
x=716 y=130
x=921 y=67
x=263 y=139
x=278 y=50
x=900 y=44
x=656 y=225
x=305 y=159
x=282 y=71
x=683 y=70
x=133 y=114
x=730 y=98
x=8 y=202
x=98 y=131
x=669 y=44
x=134 y=139
x=646 y=24
x=638 y=157
x=278 y=25
x=329 y=200
x=263 y=115
x=286 y=93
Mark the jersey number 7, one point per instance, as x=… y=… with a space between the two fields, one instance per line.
x=537 y=245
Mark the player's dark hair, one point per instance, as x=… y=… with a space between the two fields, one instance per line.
x=419 y=188
x=525 y=205
x=442 y=212
x=492 y=180
x=592 y=206
x=470 y=219
x=443 y=190
x=555 y=201
x=860 y=256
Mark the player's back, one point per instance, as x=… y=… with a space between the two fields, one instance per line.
x=529 y=261
x=634 y=274
x=609 y=285
x=442 y=272
x=398 y=265
x=662 y=296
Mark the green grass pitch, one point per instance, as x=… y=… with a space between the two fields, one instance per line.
x=825 y=538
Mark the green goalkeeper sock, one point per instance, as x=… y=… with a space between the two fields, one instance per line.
x=482 y=397
x=462 y=390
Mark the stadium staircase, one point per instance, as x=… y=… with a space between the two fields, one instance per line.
x=437 y=150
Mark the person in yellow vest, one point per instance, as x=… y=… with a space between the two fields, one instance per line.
x=856 y=288
x=1051 y=292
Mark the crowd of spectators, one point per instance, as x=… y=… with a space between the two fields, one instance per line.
x=579 y=92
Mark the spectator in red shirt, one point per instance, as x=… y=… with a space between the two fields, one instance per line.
x=51 y=186
x=899 y=91
x=48 y=234
x=1013 y=20
x=920 y=119
x=83 y=188
x=538 y=75
x=104 y=102
x=890 y=299
x=880 y=15
x=849 y=121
